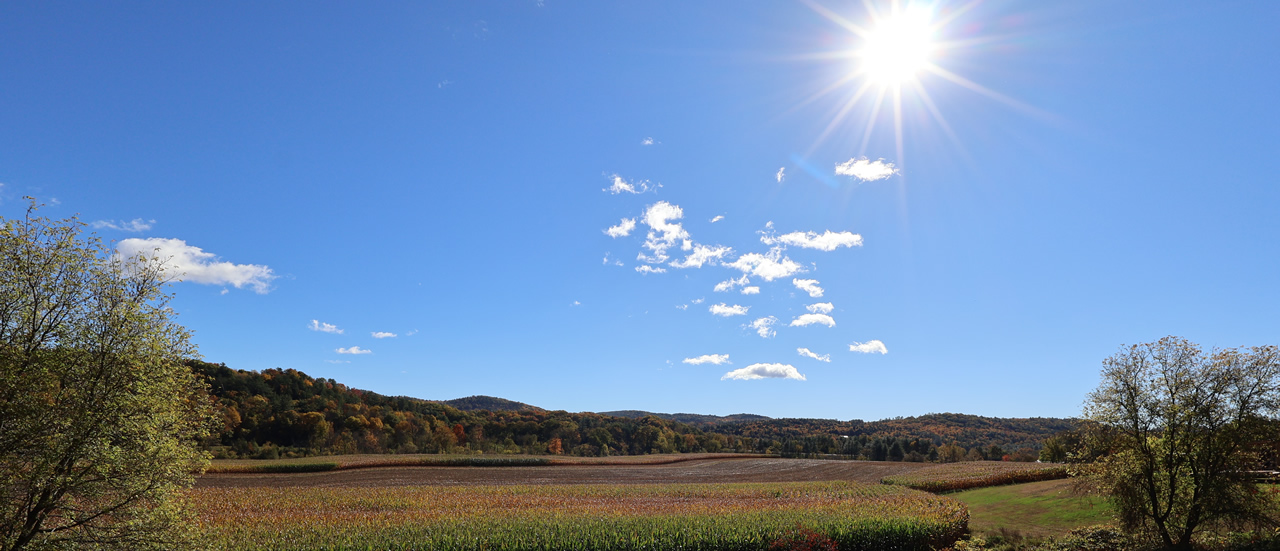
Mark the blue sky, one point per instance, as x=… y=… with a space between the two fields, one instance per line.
x=1074 y=177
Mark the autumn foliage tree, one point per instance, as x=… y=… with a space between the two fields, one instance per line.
x=99 y=418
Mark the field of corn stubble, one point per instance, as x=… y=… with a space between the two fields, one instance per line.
x=950 y=477
x=578 y=517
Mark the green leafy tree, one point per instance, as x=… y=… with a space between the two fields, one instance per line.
x=1179 y=426
x=99 y=419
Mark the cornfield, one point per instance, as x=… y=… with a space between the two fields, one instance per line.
x=950 y=477
x=578 y=517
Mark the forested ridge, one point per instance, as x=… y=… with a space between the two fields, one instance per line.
x=286 y=412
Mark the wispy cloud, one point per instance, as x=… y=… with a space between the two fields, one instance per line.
x=682 y=307
x=716 y=359
x=809 y=286
x=731 y=283
x=317 y=325
x=828 y=241
x=811 y=354
x=623 y=228
x=866 y=170
x=782 y=174
x=701 y=255
x=606 y=261
x=383 y=335
x=647 y=141
x=725 y=310
x=621 y=185
x=353 y=350
x=810 y=319
x=764 y=371
x=337 y=361
x=135 y=225
x=697 y=300
x=717 y=219
x=769 y=266
x=764 y=326
x=194 y=265
x=869 y=347
x=752 y=290
x=647 y=269
x=820 y=308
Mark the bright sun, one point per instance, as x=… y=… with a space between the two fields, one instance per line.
x=898 y=48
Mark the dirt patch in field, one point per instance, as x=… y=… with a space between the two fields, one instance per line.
x=687 y=472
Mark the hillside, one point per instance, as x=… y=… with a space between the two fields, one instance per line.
x=689 y=418
x=489 y=403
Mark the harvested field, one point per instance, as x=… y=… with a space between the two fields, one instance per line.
x=698 y=471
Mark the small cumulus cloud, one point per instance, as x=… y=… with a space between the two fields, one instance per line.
x=576 y=303
x=820 y=308
x=702 y=254
x=383 y=335
x=782 y=174
x=809 y=286
x=621 y=185
x=135 y=225
x=764 y=371
x=717 y=219
x=869 y=347
x=752 y=290
x=647 y=269
x=317 y=325
x=716 y=359
x=647 y=141
x=353 y=350
x=866 y=170
x=725 y=310
x=764 y=327
x=769 y=266
x=623 y=228
x=664 y=232
x=682 y=307
x=810 y=319
x=731 y=283
x=697 y=300
x=193 y=264
x=811 y=354
x=828 y=241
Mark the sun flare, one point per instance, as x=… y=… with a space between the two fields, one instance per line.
x=898 y=48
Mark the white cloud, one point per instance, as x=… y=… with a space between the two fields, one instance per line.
x=647 y=269
x=769 y=266
x=868 y=347
x=866 y=170
x=194 y=265
x=725 y=310
x=616 y=262
x=717 y=219
x=782 y=174
x=828 y=241
x=764 y=327
x=811 y=354
x=709 y=359
x=135 y=225
x=576 y=303
x=764 y=371
x=809 y=286
x=810 y=319
x=663 y=232
x=383 y=335
x=623 y=228
x=731 y=283
x=338 y=361
x=752 y=290
x=411 y=333
x=647 y=141
x=317 y=325
x=702 y=254
x=697 y=300
x=353 y=350
x=820 y=308
x=620 y=185
x=682 y=306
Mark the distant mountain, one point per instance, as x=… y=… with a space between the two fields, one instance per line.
x=489 y=403
x=687 y=418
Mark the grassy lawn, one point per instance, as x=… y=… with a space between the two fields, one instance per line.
x=1033 y=509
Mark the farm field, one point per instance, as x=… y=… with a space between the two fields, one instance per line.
x=857 y=516
x=950 y=477
x=1034 y=509
x=708 y=470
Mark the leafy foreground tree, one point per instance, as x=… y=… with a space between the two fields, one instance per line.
x=99 y=419
x=1179 y=428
